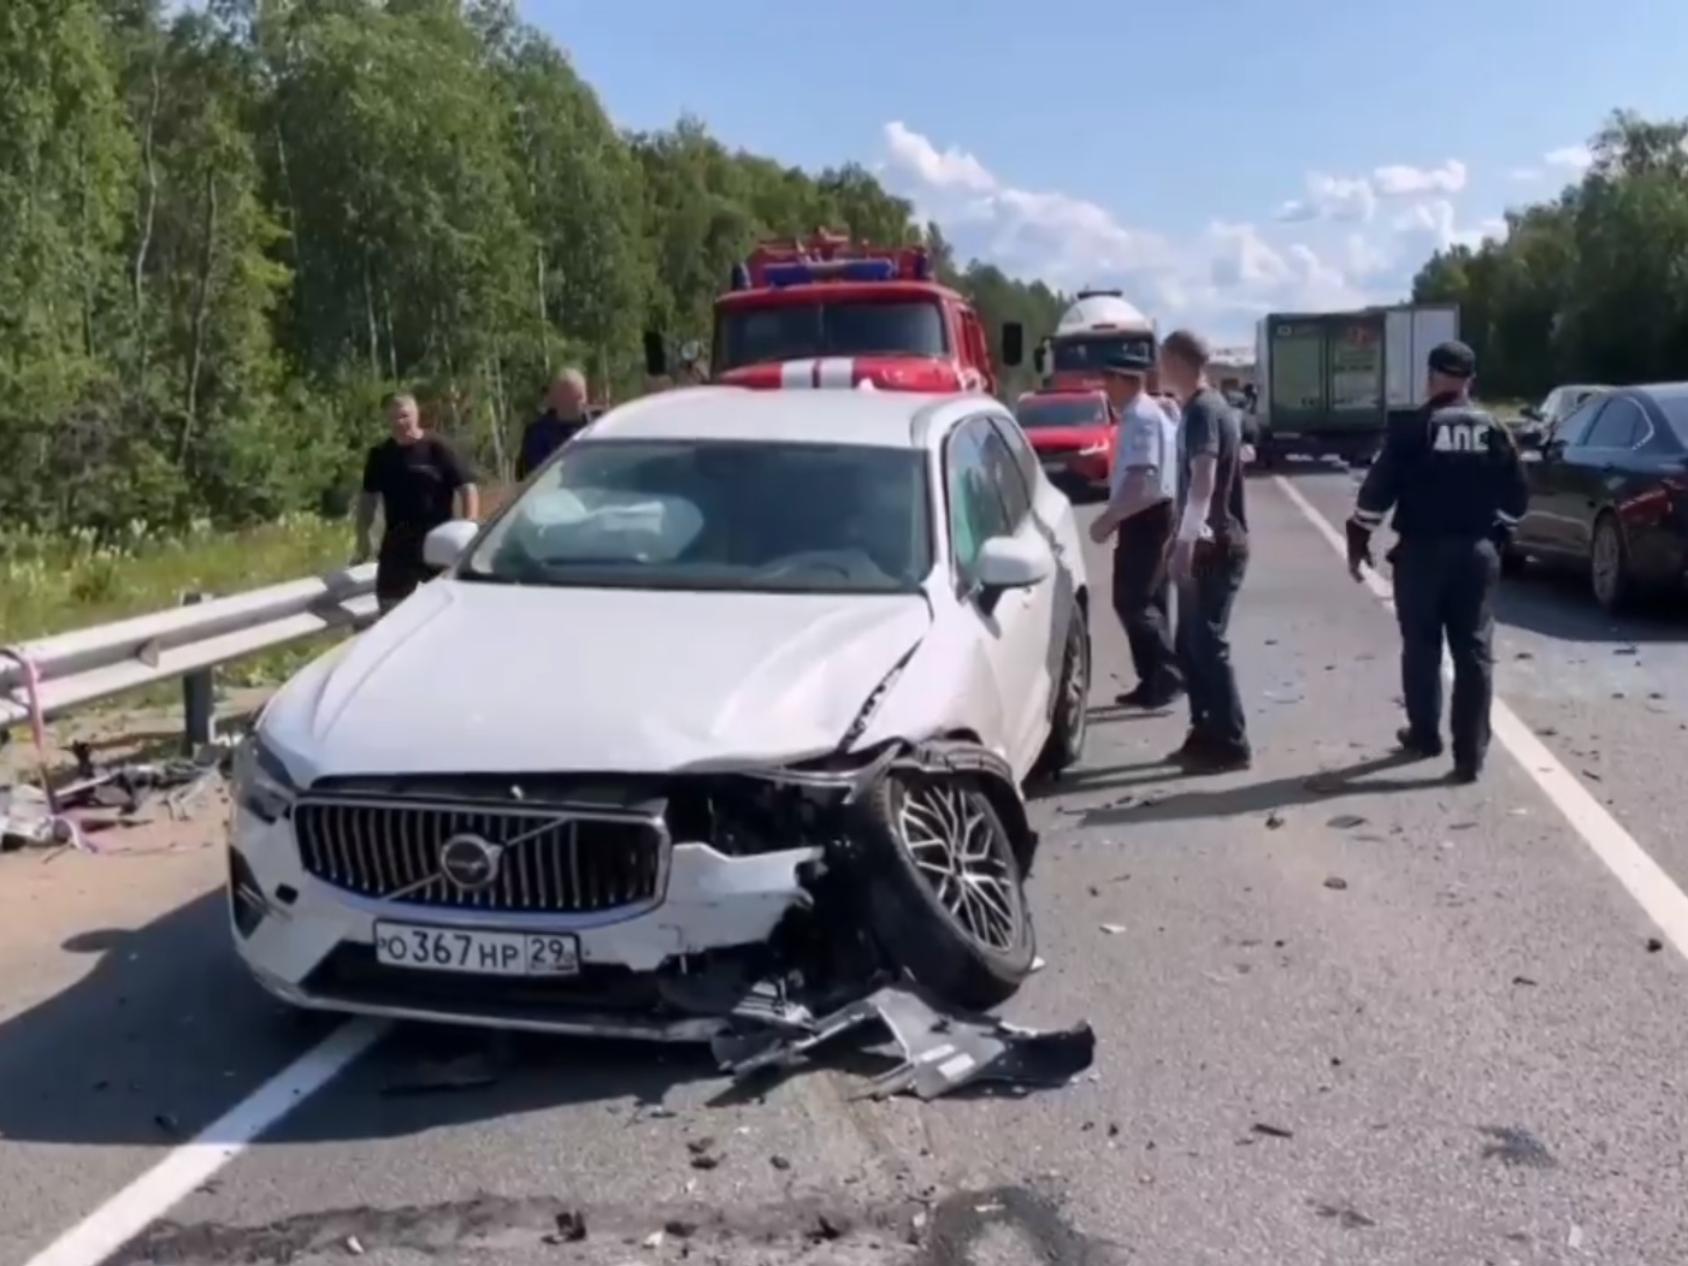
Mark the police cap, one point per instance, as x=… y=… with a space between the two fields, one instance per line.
x=1454 y=359
x=1132 y=360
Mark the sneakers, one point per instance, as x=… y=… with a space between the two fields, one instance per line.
x=1412 y=745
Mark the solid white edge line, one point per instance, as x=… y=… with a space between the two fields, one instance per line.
x=1642 y=877
x=126 y=1214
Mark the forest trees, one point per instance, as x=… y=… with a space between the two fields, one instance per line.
x=227 y=230
x=1591 y=287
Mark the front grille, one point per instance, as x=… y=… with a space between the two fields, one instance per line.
x=557 y=861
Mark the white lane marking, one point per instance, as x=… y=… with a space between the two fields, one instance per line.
x=797 y=374
x=129 y=1212
x=1643 y=878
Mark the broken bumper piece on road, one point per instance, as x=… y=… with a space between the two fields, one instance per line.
x=942 y=1051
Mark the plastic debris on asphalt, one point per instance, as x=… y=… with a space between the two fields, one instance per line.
x=943 y=1051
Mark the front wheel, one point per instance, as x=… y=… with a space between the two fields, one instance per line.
x=1070 y=718
x=944 y=894
x=1609 y=570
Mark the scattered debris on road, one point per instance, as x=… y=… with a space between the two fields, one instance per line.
x=465 y=1072
x=1514 y=1145
x=1654 y=945
x=99 y=799
x=571 y=1227
x=1336 y=883
x=1346 y=822
x=1524 y=981
x=1271 y=1131
x=943 y=1051
x=1348 y=1219
x=1112 y=929
x=1274 y=820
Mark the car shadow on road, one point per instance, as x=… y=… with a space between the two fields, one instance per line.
x=166 y=1032
x=1557 y=604
x=1253 y=797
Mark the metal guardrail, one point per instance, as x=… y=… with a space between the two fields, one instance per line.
x=76 y=668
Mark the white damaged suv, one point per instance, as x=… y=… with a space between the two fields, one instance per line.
x=727 y=713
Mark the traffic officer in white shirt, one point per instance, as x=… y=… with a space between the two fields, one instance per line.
x=1142 y=501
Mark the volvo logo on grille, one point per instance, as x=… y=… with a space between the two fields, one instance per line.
x=469 y=862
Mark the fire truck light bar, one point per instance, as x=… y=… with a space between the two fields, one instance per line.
x=797 y=274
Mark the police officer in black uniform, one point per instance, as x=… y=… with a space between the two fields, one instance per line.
x=1453 y=476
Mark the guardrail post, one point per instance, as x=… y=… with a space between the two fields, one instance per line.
x=199 y=704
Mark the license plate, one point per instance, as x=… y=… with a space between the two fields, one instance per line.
x=477 y=953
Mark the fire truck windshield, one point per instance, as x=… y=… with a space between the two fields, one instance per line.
x=1085 y=355
x=831 y=327
x=1036 y=413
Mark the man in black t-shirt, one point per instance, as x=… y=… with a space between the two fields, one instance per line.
x=419 y=482
x=1209 y=557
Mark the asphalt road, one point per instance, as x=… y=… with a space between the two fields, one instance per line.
x=1464 y=1051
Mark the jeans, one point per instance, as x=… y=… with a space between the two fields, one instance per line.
x=1141 y=597
x=1444 y=588
x=1204 y=646
x=397 y=573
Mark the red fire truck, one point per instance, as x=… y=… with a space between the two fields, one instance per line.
x=826 y=312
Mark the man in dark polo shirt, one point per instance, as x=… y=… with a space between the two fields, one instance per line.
x=420 y=482
x=1209 y=557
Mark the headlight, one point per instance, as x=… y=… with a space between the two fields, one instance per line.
x=261 y=782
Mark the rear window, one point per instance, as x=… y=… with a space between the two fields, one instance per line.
x=1038 y=414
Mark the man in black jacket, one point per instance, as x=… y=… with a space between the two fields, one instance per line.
x=1453 y=476
x=563 y=419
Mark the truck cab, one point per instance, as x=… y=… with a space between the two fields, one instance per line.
x=826 y=312
x=1096 y=325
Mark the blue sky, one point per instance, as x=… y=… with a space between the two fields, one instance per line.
x=1218 y=159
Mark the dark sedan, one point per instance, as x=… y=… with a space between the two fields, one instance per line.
x=1609 y=492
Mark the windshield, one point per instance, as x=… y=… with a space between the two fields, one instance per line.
x=797 y=331
x=811 y=518
x=1086 y=355
x=1034 y=414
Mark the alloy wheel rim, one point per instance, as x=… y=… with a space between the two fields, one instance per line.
x=962 y=854
x=1078 y=688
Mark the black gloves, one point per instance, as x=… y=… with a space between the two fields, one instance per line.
x=1359 y=546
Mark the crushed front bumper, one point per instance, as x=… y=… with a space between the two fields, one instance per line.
x=665 y=971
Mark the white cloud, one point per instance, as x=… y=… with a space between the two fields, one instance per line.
x=1068 y=241
x=1575 y=157
x=1524 y=175
x=1331 y=198
x=1398 y=180
x=949 y=169
x=1328 y=250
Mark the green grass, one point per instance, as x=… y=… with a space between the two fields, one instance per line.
x=57 y=584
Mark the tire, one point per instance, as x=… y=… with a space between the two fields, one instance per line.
x=1610 y=578
x=1070 y=721
x=912 y=825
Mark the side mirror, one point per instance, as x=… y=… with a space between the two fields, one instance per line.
x=1013 y=343
x=447 y=543
x=1007 y=562
x=656 y=354
x=1040 y=360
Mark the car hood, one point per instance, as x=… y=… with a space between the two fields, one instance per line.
x=479 y=678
